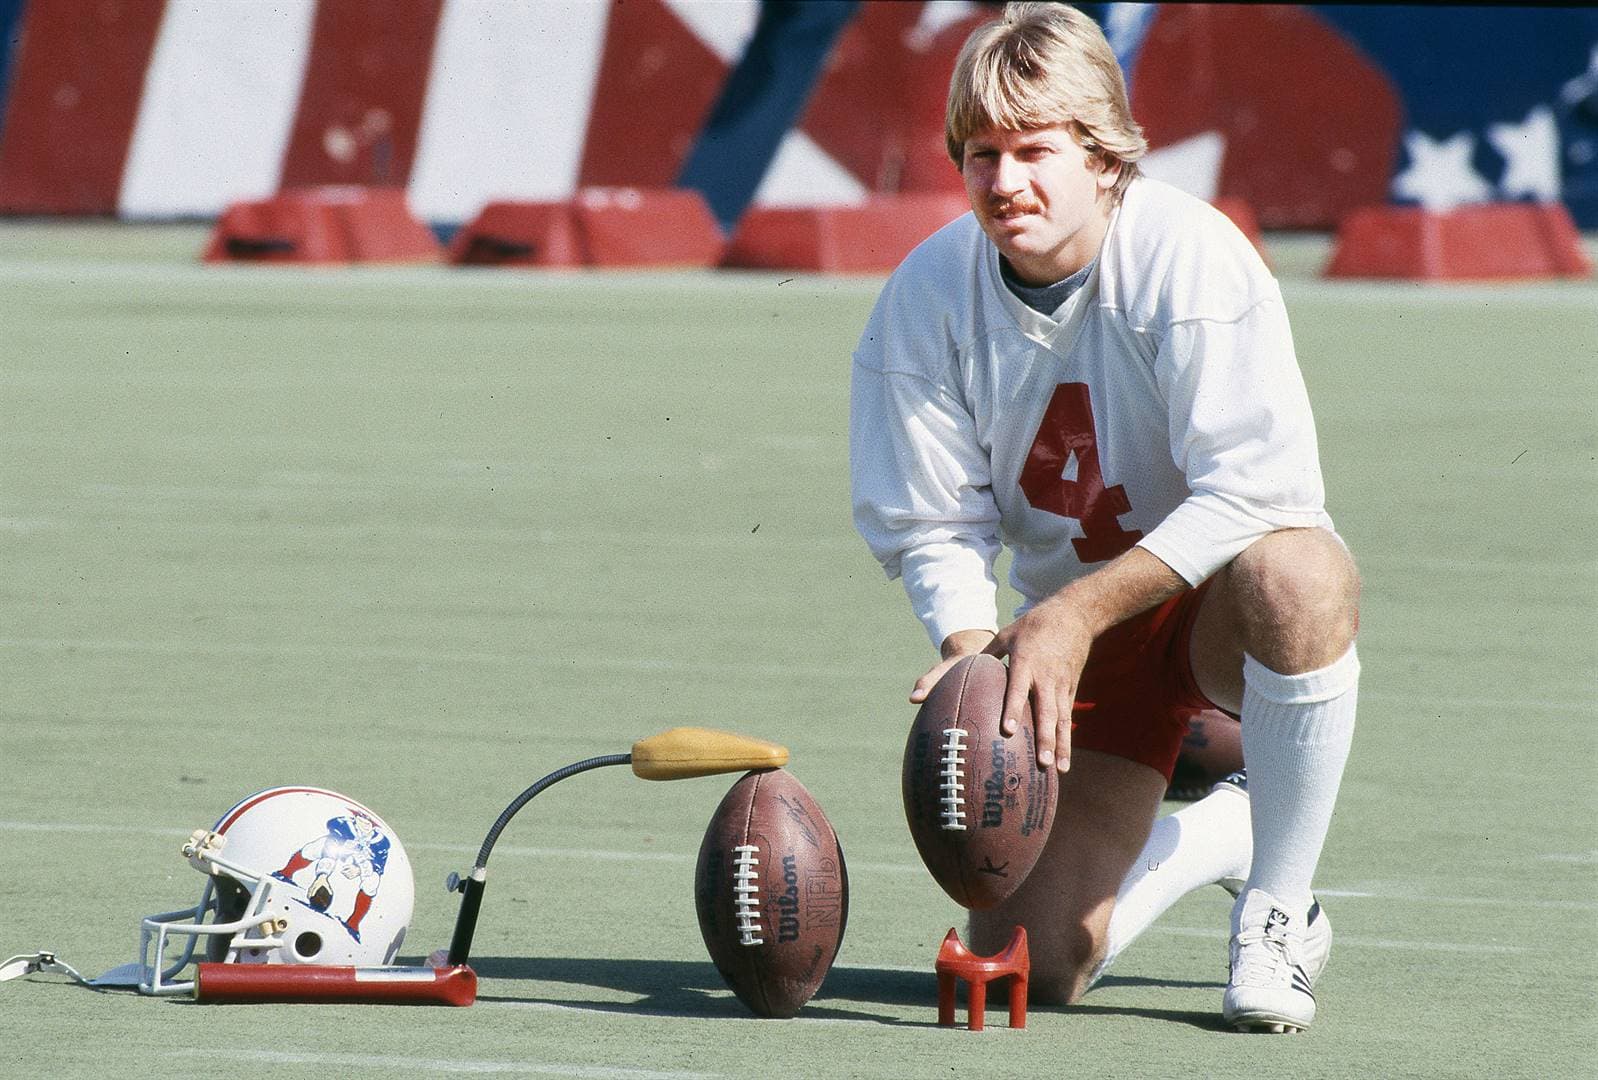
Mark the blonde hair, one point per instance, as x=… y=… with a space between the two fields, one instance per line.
x=1039 y=65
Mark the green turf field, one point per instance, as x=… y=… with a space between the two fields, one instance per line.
x=425 y=535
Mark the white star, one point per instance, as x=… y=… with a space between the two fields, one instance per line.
x=1440 y=176
x=1582 y=85
x=1532 y=149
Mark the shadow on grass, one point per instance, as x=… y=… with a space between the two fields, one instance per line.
x=1203 y=1021
x=1167 y=984
x=695 y=989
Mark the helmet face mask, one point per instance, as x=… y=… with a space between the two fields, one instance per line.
x=293 y=876
x=230 y=900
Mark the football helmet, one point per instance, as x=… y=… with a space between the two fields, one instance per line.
x=293 y=875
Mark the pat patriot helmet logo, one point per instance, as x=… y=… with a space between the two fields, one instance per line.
x=341 y=870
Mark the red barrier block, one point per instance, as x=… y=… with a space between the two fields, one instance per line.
x=870 y=238
x=1492 y=240
x=608 y=227
x=654 y=227
x=339 y=224
x=539 y=234
x=955 y=961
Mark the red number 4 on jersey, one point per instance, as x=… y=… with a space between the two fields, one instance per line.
x=1066 y=432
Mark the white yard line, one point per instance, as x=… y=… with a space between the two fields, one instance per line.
x=1297 y=287
x=135 y=509
x=1358 y=941
x=646 y=1013
x=735 y=538
x=403 y=1063
x=1583 y=858
x=1440 y=704
x=857 y=868
x=429 y=656
x=438 y=277
x=585 y=662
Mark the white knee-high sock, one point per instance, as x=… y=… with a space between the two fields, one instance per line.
x=1198 y=845
x=1296 y=733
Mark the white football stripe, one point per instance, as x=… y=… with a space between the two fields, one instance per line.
x=219 y=101
x=507 y=107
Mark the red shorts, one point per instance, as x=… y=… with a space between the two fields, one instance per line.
x=1139 y=685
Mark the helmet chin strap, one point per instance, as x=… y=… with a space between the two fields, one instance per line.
x=45 y=963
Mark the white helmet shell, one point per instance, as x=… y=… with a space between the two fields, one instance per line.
x=294 y=875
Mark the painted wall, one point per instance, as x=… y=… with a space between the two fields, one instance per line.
x=174 y=108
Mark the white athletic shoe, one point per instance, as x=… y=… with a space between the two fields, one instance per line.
x=1273 y=964
x=1317 y=946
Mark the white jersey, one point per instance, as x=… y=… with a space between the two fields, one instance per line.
x=1161 y=405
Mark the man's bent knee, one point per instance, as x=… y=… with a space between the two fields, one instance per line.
x=1296 y=596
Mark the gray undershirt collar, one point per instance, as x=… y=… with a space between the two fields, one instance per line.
x=1044 y=298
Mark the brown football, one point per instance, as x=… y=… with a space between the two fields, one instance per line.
x=772 y=892
x=979 y=807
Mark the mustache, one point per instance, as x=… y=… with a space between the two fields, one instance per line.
x=1005 y=207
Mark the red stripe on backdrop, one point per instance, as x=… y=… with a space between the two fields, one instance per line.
x=657 y=83
x=927 y=167
x=1312 y=126
x=365 y=83
x=858 y=110
x=77 y=81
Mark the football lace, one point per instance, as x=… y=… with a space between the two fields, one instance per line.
x=746 y=894
x=951 y=782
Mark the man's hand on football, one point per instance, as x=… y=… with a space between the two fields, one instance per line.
x=958 y=644
x=1047 y=648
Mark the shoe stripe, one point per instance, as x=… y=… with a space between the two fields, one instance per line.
x=1301 y=982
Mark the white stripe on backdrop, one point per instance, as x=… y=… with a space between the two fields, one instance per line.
x=219 y=102
x=507 y=105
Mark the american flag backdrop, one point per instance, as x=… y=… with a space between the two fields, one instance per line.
x=176 y=108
